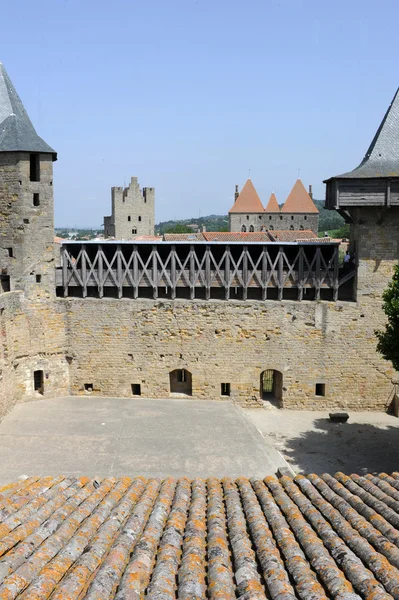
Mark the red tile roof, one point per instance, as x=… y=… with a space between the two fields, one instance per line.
x=272 y=205
x=289 y=235
x=183 y=237
x=313 y=537
x=248 y=201
x=236 y=236
x=299 y=200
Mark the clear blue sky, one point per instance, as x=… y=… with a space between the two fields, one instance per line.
x=190 y=94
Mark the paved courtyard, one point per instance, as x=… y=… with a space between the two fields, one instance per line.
x=111 y=437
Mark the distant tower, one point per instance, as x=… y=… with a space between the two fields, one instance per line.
x=245 y=214
x=26 y=200
x=368 y=199
x=133 y=212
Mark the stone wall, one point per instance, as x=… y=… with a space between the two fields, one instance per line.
x=274 y=221
x=32 y=338
x=116 y=343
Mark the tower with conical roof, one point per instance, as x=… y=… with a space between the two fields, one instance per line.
x=247 y=210
x=26 y=199
x=368 y=199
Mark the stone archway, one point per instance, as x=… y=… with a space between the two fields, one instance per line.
x=180 y=381
x=271 y=385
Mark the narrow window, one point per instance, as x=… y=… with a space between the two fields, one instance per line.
x=38 y=278
x=139 y=218
x=305 y=217
x=281 y=218
x=129 y=218
x=136 y=389
x=270 y=217
x=301 y=228
x=134 y=230
x=292 y=217
x=10 y=252
x=247 y=217
x=271 y=227
x=36 y=199
x=88 y=387
x=251 y=228
x=291 y=228
x=34 y=167
x=181 y=375
x=38 y=381
x=225 y=389
x=259 y=217
x=320 y=389
x=243 y=228
x=26 y=221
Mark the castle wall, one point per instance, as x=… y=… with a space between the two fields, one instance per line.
x=116 y=343
x=32 y=338
x=275 y=221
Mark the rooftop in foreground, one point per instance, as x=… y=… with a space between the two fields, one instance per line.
x=312 y=538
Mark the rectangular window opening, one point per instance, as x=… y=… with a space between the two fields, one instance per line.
x=88 y=387
x=225 y=389
x=320 y=389
x=129 y=218
x=5 y=283
x=36 y=199
x=10 y=252
x=136 y=389
x=38 y=278
x=139 y=218
x=35 y=167
x=134 y=230
x=38 y=381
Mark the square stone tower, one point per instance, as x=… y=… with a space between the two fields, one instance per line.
x=26 y=200
x=133 y=212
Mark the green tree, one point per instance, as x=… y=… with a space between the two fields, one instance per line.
x=388 y=340
x=179 y=229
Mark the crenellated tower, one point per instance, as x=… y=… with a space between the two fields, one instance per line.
x=26 y=200
x=133 y=212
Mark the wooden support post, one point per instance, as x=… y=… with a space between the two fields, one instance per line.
x=245 y=273
x=119 y=270
x=83 y=271
x=100 y=264
x=335 y=274
x=135 y=273
x=154 y=273
x=64 y=262
x=173 y=271
x=317 y=281
x=207 y=273
x=300 y=273
x=227 y=274
x=192 y=273
x=264 y=273
x=280 y=273
x=388 y=194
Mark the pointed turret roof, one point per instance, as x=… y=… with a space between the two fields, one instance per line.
x=382 y=157
x=299 y=200
x=272 y=206
x=17 y=133
x=248 y=201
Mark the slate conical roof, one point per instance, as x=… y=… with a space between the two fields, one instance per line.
x=299 y=200
x=248 y=201
x=17 y=133
x=272 y=206
x=382 y=157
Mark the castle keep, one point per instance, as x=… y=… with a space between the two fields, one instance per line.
x=215 y=319
x=133 y=212
x=298 y=212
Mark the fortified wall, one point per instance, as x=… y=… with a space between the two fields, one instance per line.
x=272 y=321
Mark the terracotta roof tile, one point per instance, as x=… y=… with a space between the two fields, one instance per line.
x=183 y=237
x=236 y=236
x=313 y=537
x=272 y=206
x=248 y=201
x=289 y=235
x=299 y=200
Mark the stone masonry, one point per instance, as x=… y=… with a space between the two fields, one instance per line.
x=133 y=212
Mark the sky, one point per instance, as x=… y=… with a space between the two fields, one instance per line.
x=194 y=96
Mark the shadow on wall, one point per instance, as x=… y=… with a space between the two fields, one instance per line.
x=348 y=447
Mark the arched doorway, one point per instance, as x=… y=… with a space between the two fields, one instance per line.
x=271 y=385
x=180 y=382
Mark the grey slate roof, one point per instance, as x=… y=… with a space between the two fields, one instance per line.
x=382 y=157
x=16 y=130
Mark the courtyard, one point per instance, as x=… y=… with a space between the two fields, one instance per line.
x=96 y=436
